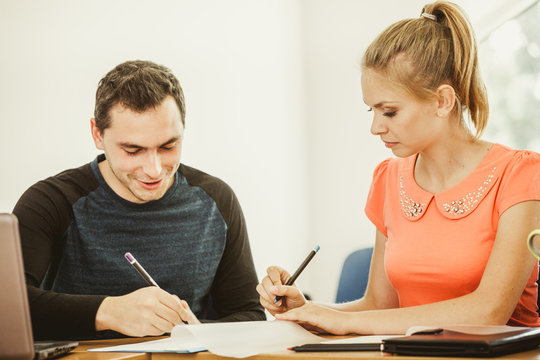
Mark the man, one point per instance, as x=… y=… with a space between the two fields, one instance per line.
x=184 y=227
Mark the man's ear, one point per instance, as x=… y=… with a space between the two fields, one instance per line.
x=446 y=96
x=96 y=134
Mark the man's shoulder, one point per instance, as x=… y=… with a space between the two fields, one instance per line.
x=72 y=183
x=53 y=197
x=196 y=177
x=220 y=192
x=80 y=176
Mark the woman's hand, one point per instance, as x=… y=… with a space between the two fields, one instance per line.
x=319 y=318
x=272 y=286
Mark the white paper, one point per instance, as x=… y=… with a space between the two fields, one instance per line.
x=366 y=339
x=183 y=343
x=234 y=339
x=242 y=339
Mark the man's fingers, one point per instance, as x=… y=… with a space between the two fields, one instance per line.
x=162 y=325
x=186 y=313
x=171 y=315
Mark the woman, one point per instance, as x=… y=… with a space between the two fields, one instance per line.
x=452 y=211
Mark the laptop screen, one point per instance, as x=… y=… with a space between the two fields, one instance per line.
x=16 y=340
x=15 y=328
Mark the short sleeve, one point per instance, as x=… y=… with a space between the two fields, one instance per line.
x=376 y=197
x=520 y=181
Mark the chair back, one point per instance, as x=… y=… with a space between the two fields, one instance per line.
x=354 y=275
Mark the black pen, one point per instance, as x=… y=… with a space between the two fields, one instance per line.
x=294 y=276
x=140 y=269
x=338 y=347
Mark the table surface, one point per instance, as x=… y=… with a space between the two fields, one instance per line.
x=81 y=353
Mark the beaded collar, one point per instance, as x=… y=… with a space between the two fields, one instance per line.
x=454 y=203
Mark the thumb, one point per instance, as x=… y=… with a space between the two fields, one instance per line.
x=291 y=315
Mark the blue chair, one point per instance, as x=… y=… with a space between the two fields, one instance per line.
x=354 y=275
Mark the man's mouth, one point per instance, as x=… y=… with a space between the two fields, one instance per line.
x=150 y=185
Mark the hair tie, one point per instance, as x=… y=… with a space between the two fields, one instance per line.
x=429 y=16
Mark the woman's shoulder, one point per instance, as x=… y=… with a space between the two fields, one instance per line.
x=509 y=158
x=394 y=164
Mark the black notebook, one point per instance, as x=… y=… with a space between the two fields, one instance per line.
x=458 y=344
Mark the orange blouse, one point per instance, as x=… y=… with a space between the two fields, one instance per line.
x=439 y=244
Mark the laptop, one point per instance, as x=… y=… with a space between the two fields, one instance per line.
x=16 y=339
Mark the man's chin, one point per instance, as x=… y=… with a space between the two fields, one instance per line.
x=143 y=195
x=150 y=195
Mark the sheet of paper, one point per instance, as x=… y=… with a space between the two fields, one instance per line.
x=186 y=343
x=242 y=339
x=234 y=339
x=366 y=339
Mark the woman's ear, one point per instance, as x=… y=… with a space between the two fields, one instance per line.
x=446 y=96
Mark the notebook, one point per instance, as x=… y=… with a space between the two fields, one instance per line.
x=16 y=340
x=461 y=344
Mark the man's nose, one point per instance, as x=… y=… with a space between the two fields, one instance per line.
x=152 y=166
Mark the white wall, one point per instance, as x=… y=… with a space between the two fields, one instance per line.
x=274 y=106
x=343 y=153
x=239 y=63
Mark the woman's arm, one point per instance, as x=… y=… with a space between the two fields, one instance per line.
x=379 y=292
x=509 y=267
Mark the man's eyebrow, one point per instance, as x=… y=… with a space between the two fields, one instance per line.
x=171 y=140
x=130 y=146
x=134 y=146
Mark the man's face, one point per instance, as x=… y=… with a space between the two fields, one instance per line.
x=142 y=150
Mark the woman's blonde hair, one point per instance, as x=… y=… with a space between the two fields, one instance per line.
x=439 y=47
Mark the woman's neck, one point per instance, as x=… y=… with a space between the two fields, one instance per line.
x=449 y=162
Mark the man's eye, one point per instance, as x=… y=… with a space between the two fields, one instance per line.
x=168 y=148
x=132 y=153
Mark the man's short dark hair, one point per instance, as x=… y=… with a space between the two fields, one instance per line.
x=138 y=85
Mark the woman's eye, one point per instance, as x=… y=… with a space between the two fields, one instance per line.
x=370 y=109
x=390 y=113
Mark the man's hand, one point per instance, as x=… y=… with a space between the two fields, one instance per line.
x=147 y=311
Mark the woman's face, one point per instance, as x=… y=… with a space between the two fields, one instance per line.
x=405 y=124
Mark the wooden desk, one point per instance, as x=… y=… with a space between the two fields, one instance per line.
x=81 y=353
